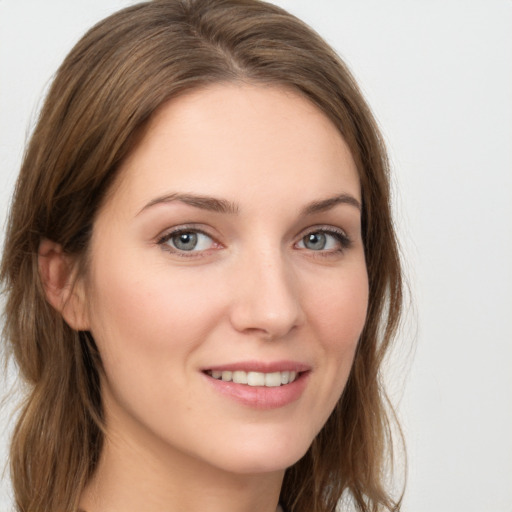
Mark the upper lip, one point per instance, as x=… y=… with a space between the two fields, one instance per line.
x=261 y=366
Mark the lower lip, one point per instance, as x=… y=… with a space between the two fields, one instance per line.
x=261 y=397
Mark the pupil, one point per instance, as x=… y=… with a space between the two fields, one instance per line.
x=315 y=241
x=185 y=241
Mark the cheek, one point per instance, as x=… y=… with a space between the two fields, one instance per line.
x=148 y=325
x=140 y=314
x=338 y=314
x=336 y=310
x=339 y=309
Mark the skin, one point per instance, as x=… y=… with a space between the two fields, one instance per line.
x=252 y=291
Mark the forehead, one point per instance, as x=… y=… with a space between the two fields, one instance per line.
x=237 y=140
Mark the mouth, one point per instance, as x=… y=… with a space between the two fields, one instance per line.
x=256 y=379
x=260 y=385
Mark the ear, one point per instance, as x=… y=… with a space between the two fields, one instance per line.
x=63 y=291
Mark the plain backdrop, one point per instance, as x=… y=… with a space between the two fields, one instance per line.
x=438 y=75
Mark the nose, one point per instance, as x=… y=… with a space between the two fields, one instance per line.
x=266 y=302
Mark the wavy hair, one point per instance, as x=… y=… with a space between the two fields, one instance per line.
x=103 y=95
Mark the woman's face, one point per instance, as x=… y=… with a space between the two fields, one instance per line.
x=229 y=250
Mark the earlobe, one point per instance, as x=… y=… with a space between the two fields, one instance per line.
x=58 y=272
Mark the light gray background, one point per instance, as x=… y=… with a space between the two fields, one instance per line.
x=438 y=74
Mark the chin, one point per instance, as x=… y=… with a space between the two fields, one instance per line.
x=258 y=465
x=264 y=456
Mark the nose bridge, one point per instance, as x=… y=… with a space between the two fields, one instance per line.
x=267 y=300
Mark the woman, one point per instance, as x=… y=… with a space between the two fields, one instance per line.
x=201 y=272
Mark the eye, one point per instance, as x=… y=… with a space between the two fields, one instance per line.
x=187 y=240
x=328 y=240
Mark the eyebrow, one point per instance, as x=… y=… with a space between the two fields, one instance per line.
x=212 y=204
x=217 y=205
x=327 y=204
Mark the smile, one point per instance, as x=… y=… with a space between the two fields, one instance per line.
x=271 y=379
x=259 y=384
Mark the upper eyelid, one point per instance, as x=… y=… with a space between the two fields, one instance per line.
x=200 y=229
x=163 y=239
x=341 y=236
x=184 y=228
x=324 y=228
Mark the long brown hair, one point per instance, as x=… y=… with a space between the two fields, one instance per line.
x=102 y=97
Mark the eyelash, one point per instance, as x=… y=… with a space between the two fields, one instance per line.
x=338 y=234
x=162 y=241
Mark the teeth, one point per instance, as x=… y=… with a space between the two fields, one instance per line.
x=270 y=380
x=240 y=377
x=273 y=380
x=256 y=379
